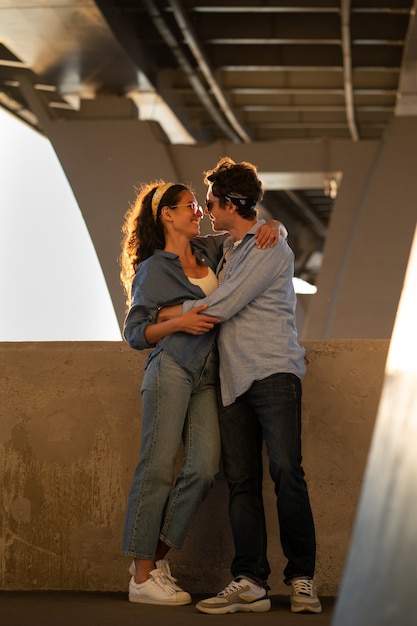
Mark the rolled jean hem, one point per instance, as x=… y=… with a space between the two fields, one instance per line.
x=252 y=579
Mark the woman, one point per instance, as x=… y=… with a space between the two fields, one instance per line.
x=163 y=264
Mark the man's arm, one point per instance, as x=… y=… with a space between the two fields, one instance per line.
x=263 y=240
x=251 y=277
x=240 y=289
x=252 y=272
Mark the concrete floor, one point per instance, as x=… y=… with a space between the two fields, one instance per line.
x=41 y=608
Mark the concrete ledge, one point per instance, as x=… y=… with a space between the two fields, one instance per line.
x=69 y=439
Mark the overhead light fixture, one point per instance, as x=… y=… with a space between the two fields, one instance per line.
x=330 y=187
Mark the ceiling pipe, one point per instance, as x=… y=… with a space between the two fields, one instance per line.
x=347 y=69
x=188 y=70
x=205 y=69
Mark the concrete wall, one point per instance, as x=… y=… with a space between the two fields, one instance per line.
x=69 y=436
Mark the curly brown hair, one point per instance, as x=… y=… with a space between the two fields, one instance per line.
x=237 y=183
x=142 y=234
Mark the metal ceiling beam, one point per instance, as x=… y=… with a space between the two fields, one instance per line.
x=277 y=80
x=347 y=69
x=188 y=70
x=272 y=41
x=294 y=9
x=258 y=9
x=281 y=68
x=204 y=66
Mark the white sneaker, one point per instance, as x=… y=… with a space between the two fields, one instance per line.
x=243 y=595
x=160 y=588
x=304 y=596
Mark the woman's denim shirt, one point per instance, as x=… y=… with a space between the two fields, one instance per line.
x=160 y=281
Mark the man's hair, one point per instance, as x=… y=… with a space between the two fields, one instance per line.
x=237 y=183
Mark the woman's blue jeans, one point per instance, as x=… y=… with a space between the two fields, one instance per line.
x=269 y=411
x=176 y=406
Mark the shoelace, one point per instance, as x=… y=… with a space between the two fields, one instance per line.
x=231 y=588
x=166 y=573
x=303 y=586
x=161 y=580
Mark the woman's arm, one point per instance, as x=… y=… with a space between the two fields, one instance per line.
x=268 y=234
x=190 y=322
x=253 y=271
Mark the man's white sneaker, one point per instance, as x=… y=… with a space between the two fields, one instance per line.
x=243 y=595
x=304 y=596
x=158 y=589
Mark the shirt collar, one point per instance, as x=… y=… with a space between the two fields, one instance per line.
x=230 y=240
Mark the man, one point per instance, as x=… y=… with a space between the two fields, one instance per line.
x=261 y=368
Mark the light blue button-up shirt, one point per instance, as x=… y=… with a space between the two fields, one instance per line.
x=256 y=303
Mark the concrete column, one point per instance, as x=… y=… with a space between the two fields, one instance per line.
x=369 y=242
x=378 y=587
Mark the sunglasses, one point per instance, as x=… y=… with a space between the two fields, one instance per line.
x=196 y=208
x=210 y=203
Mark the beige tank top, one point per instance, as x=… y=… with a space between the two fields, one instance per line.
x=208 y=283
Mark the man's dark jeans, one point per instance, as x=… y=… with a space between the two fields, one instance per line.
x=269 y=411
